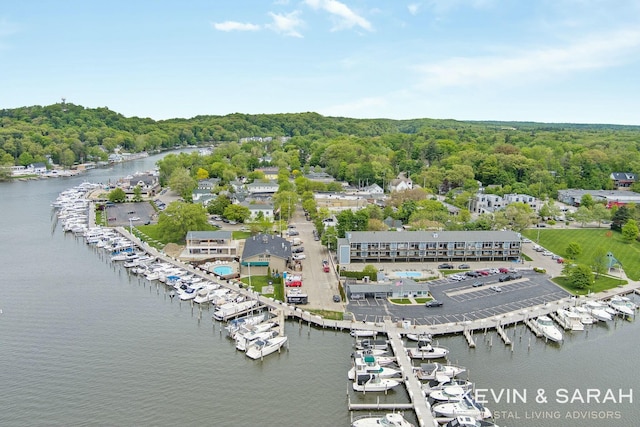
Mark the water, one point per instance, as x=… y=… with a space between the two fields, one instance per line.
x=82 y=343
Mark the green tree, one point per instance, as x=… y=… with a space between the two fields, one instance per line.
x=202 y=174
x=371 y=271
x=117 y=195
x=573 y=250
x=630 y=231
x=182 y=183
x=179 y=218
x=516 y=216
x=583 y=215
x=600 y=213
x=137 y=194
x=599 y=261
x=237 y=213
x=587 y=201
x=218 y=205
x=581 y=276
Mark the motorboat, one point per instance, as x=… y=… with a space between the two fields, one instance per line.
x=427 y=351
x=368 y=364
x=623 y=306
x=232 y=309
x=387 y=420
x=548 y=329
x=205 y=294
x=438 y=372
x=434 y=385
x=599 y=310
x=247 y=331
x=425 y=337
x=245 y=341
x=358 y=333
x=585 y=317
x=378 y=354
x=467 y=406
x=236 y=324
x=368 y=343
x=466 y=421
x=572 y=320
x=448 y=394
x=373 y=382
x=261 y=348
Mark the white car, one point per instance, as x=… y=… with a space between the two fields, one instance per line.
x=298 y=257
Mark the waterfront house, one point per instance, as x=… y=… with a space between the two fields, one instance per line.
x=211 y=245
x=264 y=252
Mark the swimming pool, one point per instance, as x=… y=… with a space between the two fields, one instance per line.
x=407 y=274
x=222 y=270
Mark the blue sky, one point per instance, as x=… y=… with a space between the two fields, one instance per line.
x=537 y=60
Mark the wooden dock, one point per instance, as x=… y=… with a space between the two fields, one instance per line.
x=469 y=336
x=503 y=334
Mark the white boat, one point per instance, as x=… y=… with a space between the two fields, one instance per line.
x=378 y=354
x=427 y=352
x=373 y=382
x=419 y=337
x=585 y=317
x=206 y=293
x=232 y=309
x=362 y=333
x=467 y=406
x=465 y=421
x=434 y=385
x=548 y=328
x=246 y=331
x=236 y=324
x=387 y=420
x=243 y=342
x=367 y=343
x=571 y=319
x=438 y=372
x=261 y=348
x=599 y=310
x=368 y=364
x=448 y=394
x=623 y=306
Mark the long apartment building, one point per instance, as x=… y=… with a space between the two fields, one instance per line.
x=427 y=246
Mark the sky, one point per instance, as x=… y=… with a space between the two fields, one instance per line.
x=558 y=61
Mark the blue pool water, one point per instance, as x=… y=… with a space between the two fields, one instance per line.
x=408 y=274
x=222 y=270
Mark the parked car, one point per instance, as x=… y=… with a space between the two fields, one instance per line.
x=298 y=257
x=496 y=288
x=477 y=284
x=472 y=274
x=445 y=267
x=464 y=267
x=297 y=249
x=293 y=233
x=433 y=303
x=503 y=270
x=336 y=298
x=505 y=278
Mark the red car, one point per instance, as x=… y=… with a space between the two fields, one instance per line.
x=294 y=283
x=503 y=270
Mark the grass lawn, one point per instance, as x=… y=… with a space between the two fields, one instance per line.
x=329 y=315
x=240 y=235
x=601 y=284
x=400 y=300
x=557 y=240
x=258 y=282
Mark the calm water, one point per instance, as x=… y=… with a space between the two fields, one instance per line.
x=82 y=343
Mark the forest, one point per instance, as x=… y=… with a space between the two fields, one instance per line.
x=438 y=155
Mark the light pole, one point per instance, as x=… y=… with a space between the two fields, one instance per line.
x=130 y=227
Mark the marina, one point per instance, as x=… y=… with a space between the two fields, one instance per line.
x=302 y=328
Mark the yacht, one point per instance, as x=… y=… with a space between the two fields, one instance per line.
x=571 y=319
x=425 y=337
x=548 y=328
x=623 y=306
x=369 y=364
x=373 y=382
x=467 y=406
x=434 y=385
x=358 y=333
x=585 y=317
x=232 y=309
x=466 y=421
x=243 y=342
x=387 y=420
x=261 y=348
x=368 y=343
x=427 y=351
x=438 y=371
x=378 y=354
x=448 y=394
x=599 y=310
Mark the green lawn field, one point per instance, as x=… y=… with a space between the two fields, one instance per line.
x=589 y=240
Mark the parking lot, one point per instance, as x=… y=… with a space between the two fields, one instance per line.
x=462 y=301
x=118 y=214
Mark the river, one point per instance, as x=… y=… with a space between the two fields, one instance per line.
x=82 y=343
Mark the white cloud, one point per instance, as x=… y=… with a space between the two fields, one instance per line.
x=235 y=26
x=347 y=18
x=605 y=50
x=414 y=8
x=286 y=24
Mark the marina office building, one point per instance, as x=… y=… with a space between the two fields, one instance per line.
x=428 y=246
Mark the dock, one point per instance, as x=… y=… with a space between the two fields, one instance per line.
x=469 y=336
x=503 y=334
x=533 y=328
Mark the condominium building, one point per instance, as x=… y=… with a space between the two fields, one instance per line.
x=426 y=246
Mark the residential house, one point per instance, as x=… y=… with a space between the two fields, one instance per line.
x=264 y=253
x=262 y=187
x=208 y=184
x=202 y=196
x=401 y=183
x=531 y=201
x=623 y=179
x=259 y=209
x=269 y=173
x=384 y=287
